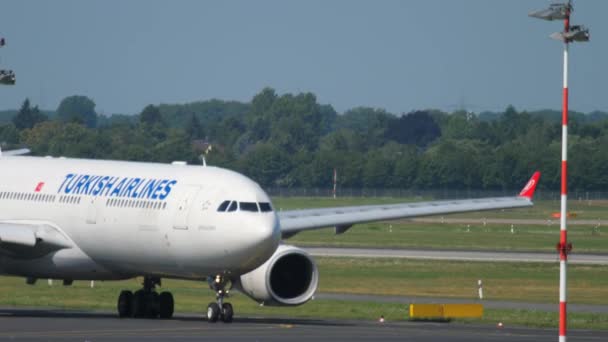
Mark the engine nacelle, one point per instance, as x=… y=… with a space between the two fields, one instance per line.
x=290 y=277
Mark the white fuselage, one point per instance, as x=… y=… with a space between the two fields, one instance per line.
x=127 y=218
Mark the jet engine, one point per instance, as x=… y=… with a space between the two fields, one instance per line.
x=290 y=277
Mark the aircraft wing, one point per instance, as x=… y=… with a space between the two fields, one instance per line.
x=28 y=240
x=342 y=218
x=18 y=152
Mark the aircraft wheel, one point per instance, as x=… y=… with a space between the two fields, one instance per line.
x=213 y=312
x=138 y=307
x=227 y=312
x=166 y=305
x=152 y=305
x=125 y=301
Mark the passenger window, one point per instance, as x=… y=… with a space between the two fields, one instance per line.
x=223 y=206
x=249 y=206
x=233 y=206
x=265 y=207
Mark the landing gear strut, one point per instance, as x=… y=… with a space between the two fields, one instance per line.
x=219 y=309
x=146 y=302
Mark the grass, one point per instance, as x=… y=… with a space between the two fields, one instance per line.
x=416 y=278
x=409 y=234
x=541 y=319
x=525 y=282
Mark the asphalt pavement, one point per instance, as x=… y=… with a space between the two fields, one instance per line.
x=66 y=325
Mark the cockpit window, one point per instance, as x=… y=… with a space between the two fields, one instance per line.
x=223 y=206
x=233 y=206
x=265 y=207
x=248 y=206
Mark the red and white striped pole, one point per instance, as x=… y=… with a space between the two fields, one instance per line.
x=575 y=33
x=563 y=246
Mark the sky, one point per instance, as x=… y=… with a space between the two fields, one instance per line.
x=402 y=56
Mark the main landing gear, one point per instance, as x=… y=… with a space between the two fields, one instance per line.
x=219 y=310
x=146 y=302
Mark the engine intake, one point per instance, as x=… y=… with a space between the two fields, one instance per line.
x=290 y=277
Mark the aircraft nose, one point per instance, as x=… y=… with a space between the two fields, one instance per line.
x=264 y=238
x=268 y=231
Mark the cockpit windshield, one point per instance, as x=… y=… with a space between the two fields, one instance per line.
x=248 y=206
x=230 y=206
x=265 y=207
x=223 y=206
x=233 y=206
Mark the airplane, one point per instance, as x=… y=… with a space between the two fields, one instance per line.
x=82 y=219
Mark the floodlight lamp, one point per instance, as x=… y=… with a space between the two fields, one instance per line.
x=556 y=11
x=7 y=77
x=577 y=33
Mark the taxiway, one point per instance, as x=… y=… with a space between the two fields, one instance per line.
x=61 y=325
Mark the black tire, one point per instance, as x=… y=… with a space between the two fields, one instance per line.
x=165 y=305
x=227 y=313
x=125 y=302
x=152 y=305
x=138 y=307
x=213 y=312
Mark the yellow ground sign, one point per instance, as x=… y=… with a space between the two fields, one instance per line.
x=445 y=311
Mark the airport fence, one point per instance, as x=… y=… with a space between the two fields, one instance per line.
x=429 y=194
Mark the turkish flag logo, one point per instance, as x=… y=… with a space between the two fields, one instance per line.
x=39 y=186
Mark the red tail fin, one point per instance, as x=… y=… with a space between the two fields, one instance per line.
x=528 y=190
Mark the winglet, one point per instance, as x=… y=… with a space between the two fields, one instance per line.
x=528 y=190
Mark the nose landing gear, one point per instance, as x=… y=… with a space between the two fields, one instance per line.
x=146 y=302
x=220 y=310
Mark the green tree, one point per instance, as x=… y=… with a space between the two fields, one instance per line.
x=28 y=117
x=176 y=146
x=267 y=164
x=194 y=128
x=370 y=123
x=78 y=109
x=417 y=128
x=257 y=119
x=150 y=115
x=8 y=134
x=377 y=170
x=70 y=140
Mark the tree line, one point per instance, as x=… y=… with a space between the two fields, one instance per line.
x=291 y=140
